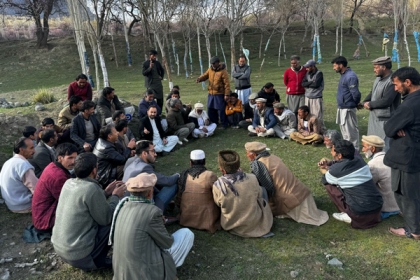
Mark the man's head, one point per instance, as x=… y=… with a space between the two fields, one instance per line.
x=49 y=137
x=295 y=62
x=310 y=66
x=29 y=132
x=406 y=80
x=66 y=154
x=339 y=64
x=153 y=55
x=81 y=80
x=303 y=112
x=229 y=161
x=330 y=137
x=269 y=87
x=118 y=115
x=253 y=149
x=149 y=95
x=175 y=103
x=199 y=107
x=197 y=157
x=252 y=97
x=215 y=62
x=175 y=94
x=108 y=93
x=372 y=144
x=152 y=112
x=279 y=108
x=24 y=147
x=342 y=149
x=176 y=87
x=260 y=103
x=242 y=60
x=108 y=133
x=88 y=108
x=86 y=165
x=146 y=151
x=233 y=97
x=382 y=66
x=75 y=102
x=48 y=123
x=121 y=126
x=142 y=185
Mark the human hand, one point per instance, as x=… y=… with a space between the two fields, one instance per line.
x=359 y=106
x=110 y=188
x=205 y=130
x=131 y=144
x=164 y=141
x=198 y=80
x=119 y=189
x=146 y=131
x=207 y=122
x=133 y=153
x=366 y=105
x=151 y=64
x=401 y=133
x=227 y=98
x=87 y=147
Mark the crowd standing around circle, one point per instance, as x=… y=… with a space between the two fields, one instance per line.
x=91 y=185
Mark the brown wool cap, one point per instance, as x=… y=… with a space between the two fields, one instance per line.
x=382 y=60
x=229 y=160
x=373 y=140
x=279 y=105
x=141 y=182
x=255 y=147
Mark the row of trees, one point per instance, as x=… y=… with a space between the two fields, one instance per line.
x=209 y=18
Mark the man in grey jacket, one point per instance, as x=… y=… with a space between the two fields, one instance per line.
x=83 y=218
x=242 y=75
x=314 y=86
x=166 y=186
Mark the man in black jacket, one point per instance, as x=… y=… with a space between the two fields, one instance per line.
x=85 y=127
x=404 y=153
x=110 y=161
x=350 y=186
x=44 y=151
x=108 y=103
x=153 y=73
x=268 y=92
x=248 y=113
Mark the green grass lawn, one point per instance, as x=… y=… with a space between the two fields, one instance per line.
x=366 y=254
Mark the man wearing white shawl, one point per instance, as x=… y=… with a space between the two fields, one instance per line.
x=203 y=126
x=286 y=121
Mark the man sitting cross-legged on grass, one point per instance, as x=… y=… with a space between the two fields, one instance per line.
x=288 y=197
x=349 y=184
x=248 y=114
x=143 y=248
x=264 y=120
x=309 y=128
x=233 y=110
x=44 y=151
x=203 y=126
x=195 y=197
x=240 y=197
x=176 y=123
x=83 y=217
x=286 y=121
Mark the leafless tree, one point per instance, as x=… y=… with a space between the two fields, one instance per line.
x=354 y=6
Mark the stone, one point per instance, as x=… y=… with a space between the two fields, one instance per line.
x=197 y=265
x=294 y=273
x=415 y=278
x=13 y=243
x=5 y=275
x=2 y=100
x=335 y=262
x=26 y=104
x=39 y=107
x=8 y=259
x=18 y=104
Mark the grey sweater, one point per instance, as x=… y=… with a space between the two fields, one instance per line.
x=78 y=216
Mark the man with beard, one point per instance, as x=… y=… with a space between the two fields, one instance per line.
x=203 y=126
x=314 y=85
x=292 y=79
x=153 y=73
x=264 y=120
x=146 y=102
x=286 y=121
x=68 y=113
x=48 y=188
x=108 y=103
x=269 y=93
x=249 y=109
x=348 y=97
x=382 y=100
x=80 y=87
x=44 y=151
x=242 y=75
x=309 y=128
x=218 y=90
x=404 y=153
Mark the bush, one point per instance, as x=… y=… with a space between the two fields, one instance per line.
x=44 y=96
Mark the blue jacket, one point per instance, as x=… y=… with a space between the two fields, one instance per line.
x=348 y=94
x=269 y=119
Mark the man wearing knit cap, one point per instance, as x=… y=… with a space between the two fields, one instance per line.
x=238 y=194
x=288 y=197
x=382 y=100
x=195 y=197
x=203 y=126
x=143 y=248
x=286 y=121
x=381 y=174
x=218 y=89
x=264 y=120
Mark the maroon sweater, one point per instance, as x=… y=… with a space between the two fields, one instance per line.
x=293 y=81
x=85 y=92
x=46 y=194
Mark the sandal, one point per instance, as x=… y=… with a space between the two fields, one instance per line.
x=406 y=233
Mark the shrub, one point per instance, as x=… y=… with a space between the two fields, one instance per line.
x=44 y=96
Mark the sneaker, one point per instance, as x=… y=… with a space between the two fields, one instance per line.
x=342 y=217
x=180 y=142
x=252 y=134
x=201 y=135
x=185 y=139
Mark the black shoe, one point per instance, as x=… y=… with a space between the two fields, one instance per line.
x=165 y=153
x=252 y=134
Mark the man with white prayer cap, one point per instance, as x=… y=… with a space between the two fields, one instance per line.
x=203 y=126
x=264 y=120
x=143 y=248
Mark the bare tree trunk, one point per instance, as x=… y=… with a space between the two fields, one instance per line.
x=103 y=66
x=203 y=84
x=215 y=43
x=336 y=39
x=130 y=27
x=304 y=38
x=284 y=45
x=206 y=35
x=115 y=51
x=165 y=38
x=232 y=51
x=185 y=58
x=241 y=43
x=127 y=43
x=279 y=56
x=261 y=41
x=164 y=60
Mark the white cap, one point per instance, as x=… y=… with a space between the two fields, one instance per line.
x=197 y=155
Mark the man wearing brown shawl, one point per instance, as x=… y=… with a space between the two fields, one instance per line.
x=244 y=211
x=195 y=197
